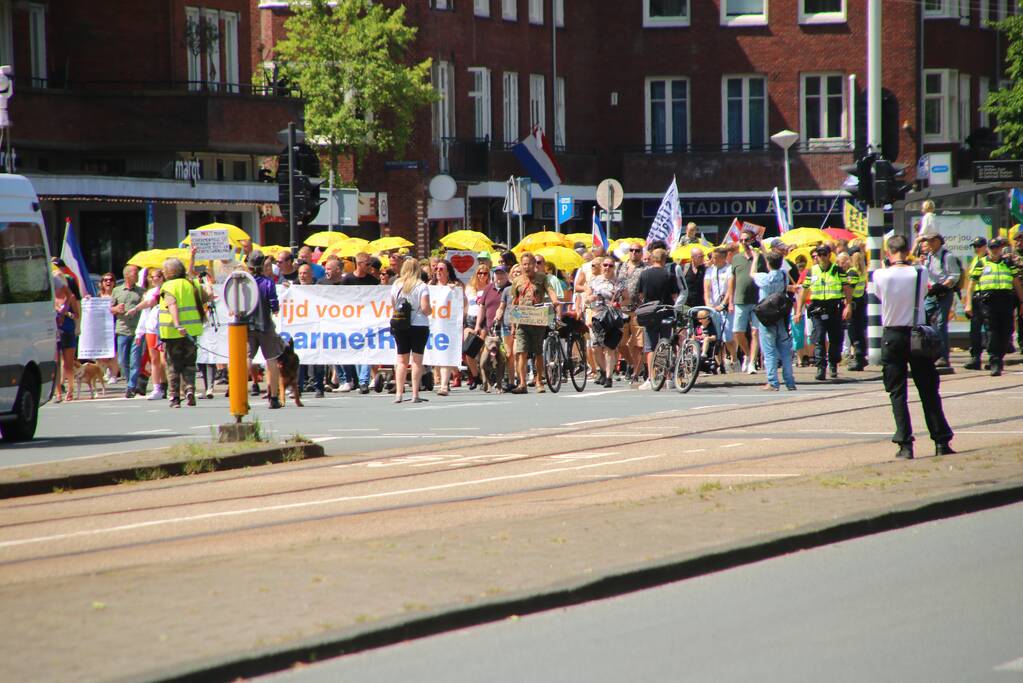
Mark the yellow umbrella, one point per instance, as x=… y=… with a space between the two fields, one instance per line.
x=684 y=252
x=233 y=231
x=563 y=258
x=584 y=237
x=346 y=248
x=325 y=238
x=542 y=239
x=151 y=258
x=626 y=240
x=469 y=240
x=805 y=252
x=801 y=237
x=388 y=244
x=271 y=249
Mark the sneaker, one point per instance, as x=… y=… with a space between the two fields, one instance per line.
x=905 y=452
x=791 y=387
x=255 y=389
x=834 y=372
x=129 y=393
x=974 y=364
x=607 y=382
x=319 y=393
x=346 y=387
x=156 y=394
x=820 y=376
x=209 y=393
x=645 y=386
x=745 y=365
x=751 y=369
x=190 y=399
x=363 y=388
x=274 y=403
x=175 y=403
x=943 y=449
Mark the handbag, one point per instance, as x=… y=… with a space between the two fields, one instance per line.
x=609 y=319
x=472 y=345
x=924 y=340
x=648 y=315
x=401 y=318
x=772 y=308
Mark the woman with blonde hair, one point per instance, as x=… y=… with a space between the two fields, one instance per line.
x=409 y=294
x=857 y=277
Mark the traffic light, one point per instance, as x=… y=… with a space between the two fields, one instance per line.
x=889 y=182
x=307 y=190
x=307 y=198
x=863 y=191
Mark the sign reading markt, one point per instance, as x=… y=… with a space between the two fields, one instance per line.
x=1010 y=171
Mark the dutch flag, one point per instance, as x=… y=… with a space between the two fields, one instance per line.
x=71 y=255
x=599 y=238
x=537 y=156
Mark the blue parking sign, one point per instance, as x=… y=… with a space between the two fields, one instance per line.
x=565 y=209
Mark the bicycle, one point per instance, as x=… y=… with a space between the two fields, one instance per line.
x=665 y=350
x=558 y=363
x=690 y=358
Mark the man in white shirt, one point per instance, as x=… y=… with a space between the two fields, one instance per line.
x=902 y=295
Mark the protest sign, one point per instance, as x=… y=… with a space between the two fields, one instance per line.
x=97 y=338
x=464 y=263
x=211 y=245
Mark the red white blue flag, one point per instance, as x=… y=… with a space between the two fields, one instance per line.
x=780 y=215
x=71 y=255
x=599 y=236
x=734 y=231
x=537 y=155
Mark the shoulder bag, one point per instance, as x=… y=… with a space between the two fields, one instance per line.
x=401 y=317
x=924 y=340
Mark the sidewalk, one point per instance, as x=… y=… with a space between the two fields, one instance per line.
x=225 y=617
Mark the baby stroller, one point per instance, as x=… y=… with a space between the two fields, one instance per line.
x=691 y=361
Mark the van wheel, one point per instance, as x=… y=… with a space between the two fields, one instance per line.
x=26 y=412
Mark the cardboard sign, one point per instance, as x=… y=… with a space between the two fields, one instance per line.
x=211 y=245
x=97 y=338
x=465 y=264
x=537 y=316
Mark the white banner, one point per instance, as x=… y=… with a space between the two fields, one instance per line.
x=347 y=325
x=97 y=338
x=211 y=245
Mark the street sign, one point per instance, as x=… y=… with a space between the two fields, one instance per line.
x=610 y=194
x=616 y=216
x=566 y=208
x=241 y=294
x=998 y=171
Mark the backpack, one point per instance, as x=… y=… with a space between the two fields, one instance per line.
x=773 y=308
x=401 y=317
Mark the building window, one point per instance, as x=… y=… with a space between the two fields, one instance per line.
x=231 y=77
x=510 y=90
x=480 y=96
x=823 y=107
x=743 y=12
x=442 y=4
x=983 y=88
x=239 y=170
x=481 y=8
x=6 y=33
x=193 y=47
x=659 y=13
x=745 y=112
x=37 y=43
x=536 y=12
x=667 y=114
x=822 y=11
x=559 y=13
x=940 y=109
x=510 y=10
x=965 y=113
x=559 y=107
x=537 y=102
x=212 y=36
x=951 y=9
x=443 y=78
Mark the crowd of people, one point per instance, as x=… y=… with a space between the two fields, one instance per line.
x=159 y=312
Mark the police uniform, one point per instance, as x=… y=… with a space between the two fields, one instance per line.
x=827 y=292
x=858 y=322
x=976 y=315
x=1016 y=258
x=994 y=285
x=179 y=349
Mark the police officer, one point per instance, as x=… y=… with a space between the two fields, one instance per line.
x=180 y=323
x=857 y=279
x=999 y=289
x=974 y=308
x=830 y=305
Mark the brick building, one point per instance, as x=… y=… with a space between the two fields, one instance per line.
x=649 y=89
x=139 y=122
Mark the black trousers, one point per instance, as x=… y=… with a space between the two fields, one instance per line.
x=897 y=365
x=827 y=328
x=858 y=329
x=999 y=310
x=976 y=327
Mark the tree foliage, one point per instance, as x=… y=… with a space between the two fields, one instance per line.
x=350 y=60
x=1006 y=104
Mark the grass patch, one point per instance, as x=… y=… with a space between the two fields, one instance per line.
x=833 y=482
x=293 y=454
x=707 y=489
x=150 y=473
x=681 y=491
x=200 y=465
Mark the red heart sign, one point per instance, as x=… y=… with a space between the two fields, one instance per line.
x=462 y=262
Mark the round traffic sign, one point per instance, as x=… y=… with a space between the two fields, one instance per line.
x=610 y=194
x=241 y=294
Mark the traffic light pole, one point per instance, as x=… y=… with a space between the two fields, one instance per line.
x=875 y=214
x=875 y=241
x=291 y=186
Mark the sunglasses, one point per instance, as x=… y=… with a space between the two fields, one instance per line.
x=609 y=265
x=108 y=279
x=640 y=249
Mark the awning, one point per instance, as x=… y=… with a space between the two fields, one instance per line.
x=100 y=188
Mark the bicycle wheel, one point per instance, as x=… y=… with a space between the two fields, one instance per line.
x=687 y=366
x=553 y=360
x=576 y=362
x=662 y=359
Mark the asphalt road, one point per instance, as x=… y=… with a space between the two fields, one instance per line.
x=354 y=423
x=935 y=602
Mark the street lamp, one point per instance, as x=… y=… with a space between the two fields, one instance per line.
x=786 y=139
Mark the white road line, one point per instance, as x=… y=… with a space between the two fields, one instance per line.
x=595 y=394
x=1014 y=665
x=149 y=431
x=989 y=432
x=312 y=503
x=717 y=405
x=604 y=434
x=455 y=429
x=695 y=450
x=760 y=475
x=203 y=426
x=445 y=406
x=731 y=445
x=586 y=422
x=321 y=439
x=356 y=429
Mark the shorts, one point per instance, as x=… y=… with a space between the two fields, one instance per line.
x=653 y=334
x=632 y=332
x=267 y=341
x=741 y=318
x=725 y=320
x=412 y=340
x=503 y=330
x=529 y=339
x=67 y=340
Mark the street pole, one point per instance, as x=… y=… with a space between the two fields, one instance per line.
x=291 y=186
x=875 y=214
x=788 y=188
x=330 y=209
x=610 y=210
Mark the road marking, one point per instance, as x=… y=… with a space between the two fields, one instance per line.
x=321 y=439
x=586 y=422
x=758 y=475
x=718 y=405
x=311 y=503
x=604 y=434
x=603 y=393
x=581 y=455
x=445 y=406
x=1014 y=665
x=455 y=429
x=731 y=445
x=989 y=432
x=149 y=431
x=202 y=426
x=695 y=450
x=356 y=429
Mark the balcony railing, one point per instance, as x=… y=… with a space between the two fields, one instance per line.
x=803 y=146
x=208 y=87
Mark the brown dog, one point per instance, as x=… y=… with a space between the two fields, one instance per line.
x=493 y=364
x=91 y=374
x=287 y=367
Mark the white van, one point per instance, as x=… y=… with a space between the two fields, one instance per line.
x=27 y=320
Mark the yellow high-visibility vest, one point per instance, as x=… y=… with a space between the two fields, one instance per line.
x=184 y=294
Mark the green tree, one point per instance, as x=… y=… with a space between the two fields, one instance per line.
x=1006 y=104
x=350 y=60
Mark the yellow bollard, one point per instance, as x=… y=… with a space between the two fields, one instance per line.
x=238 y=368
